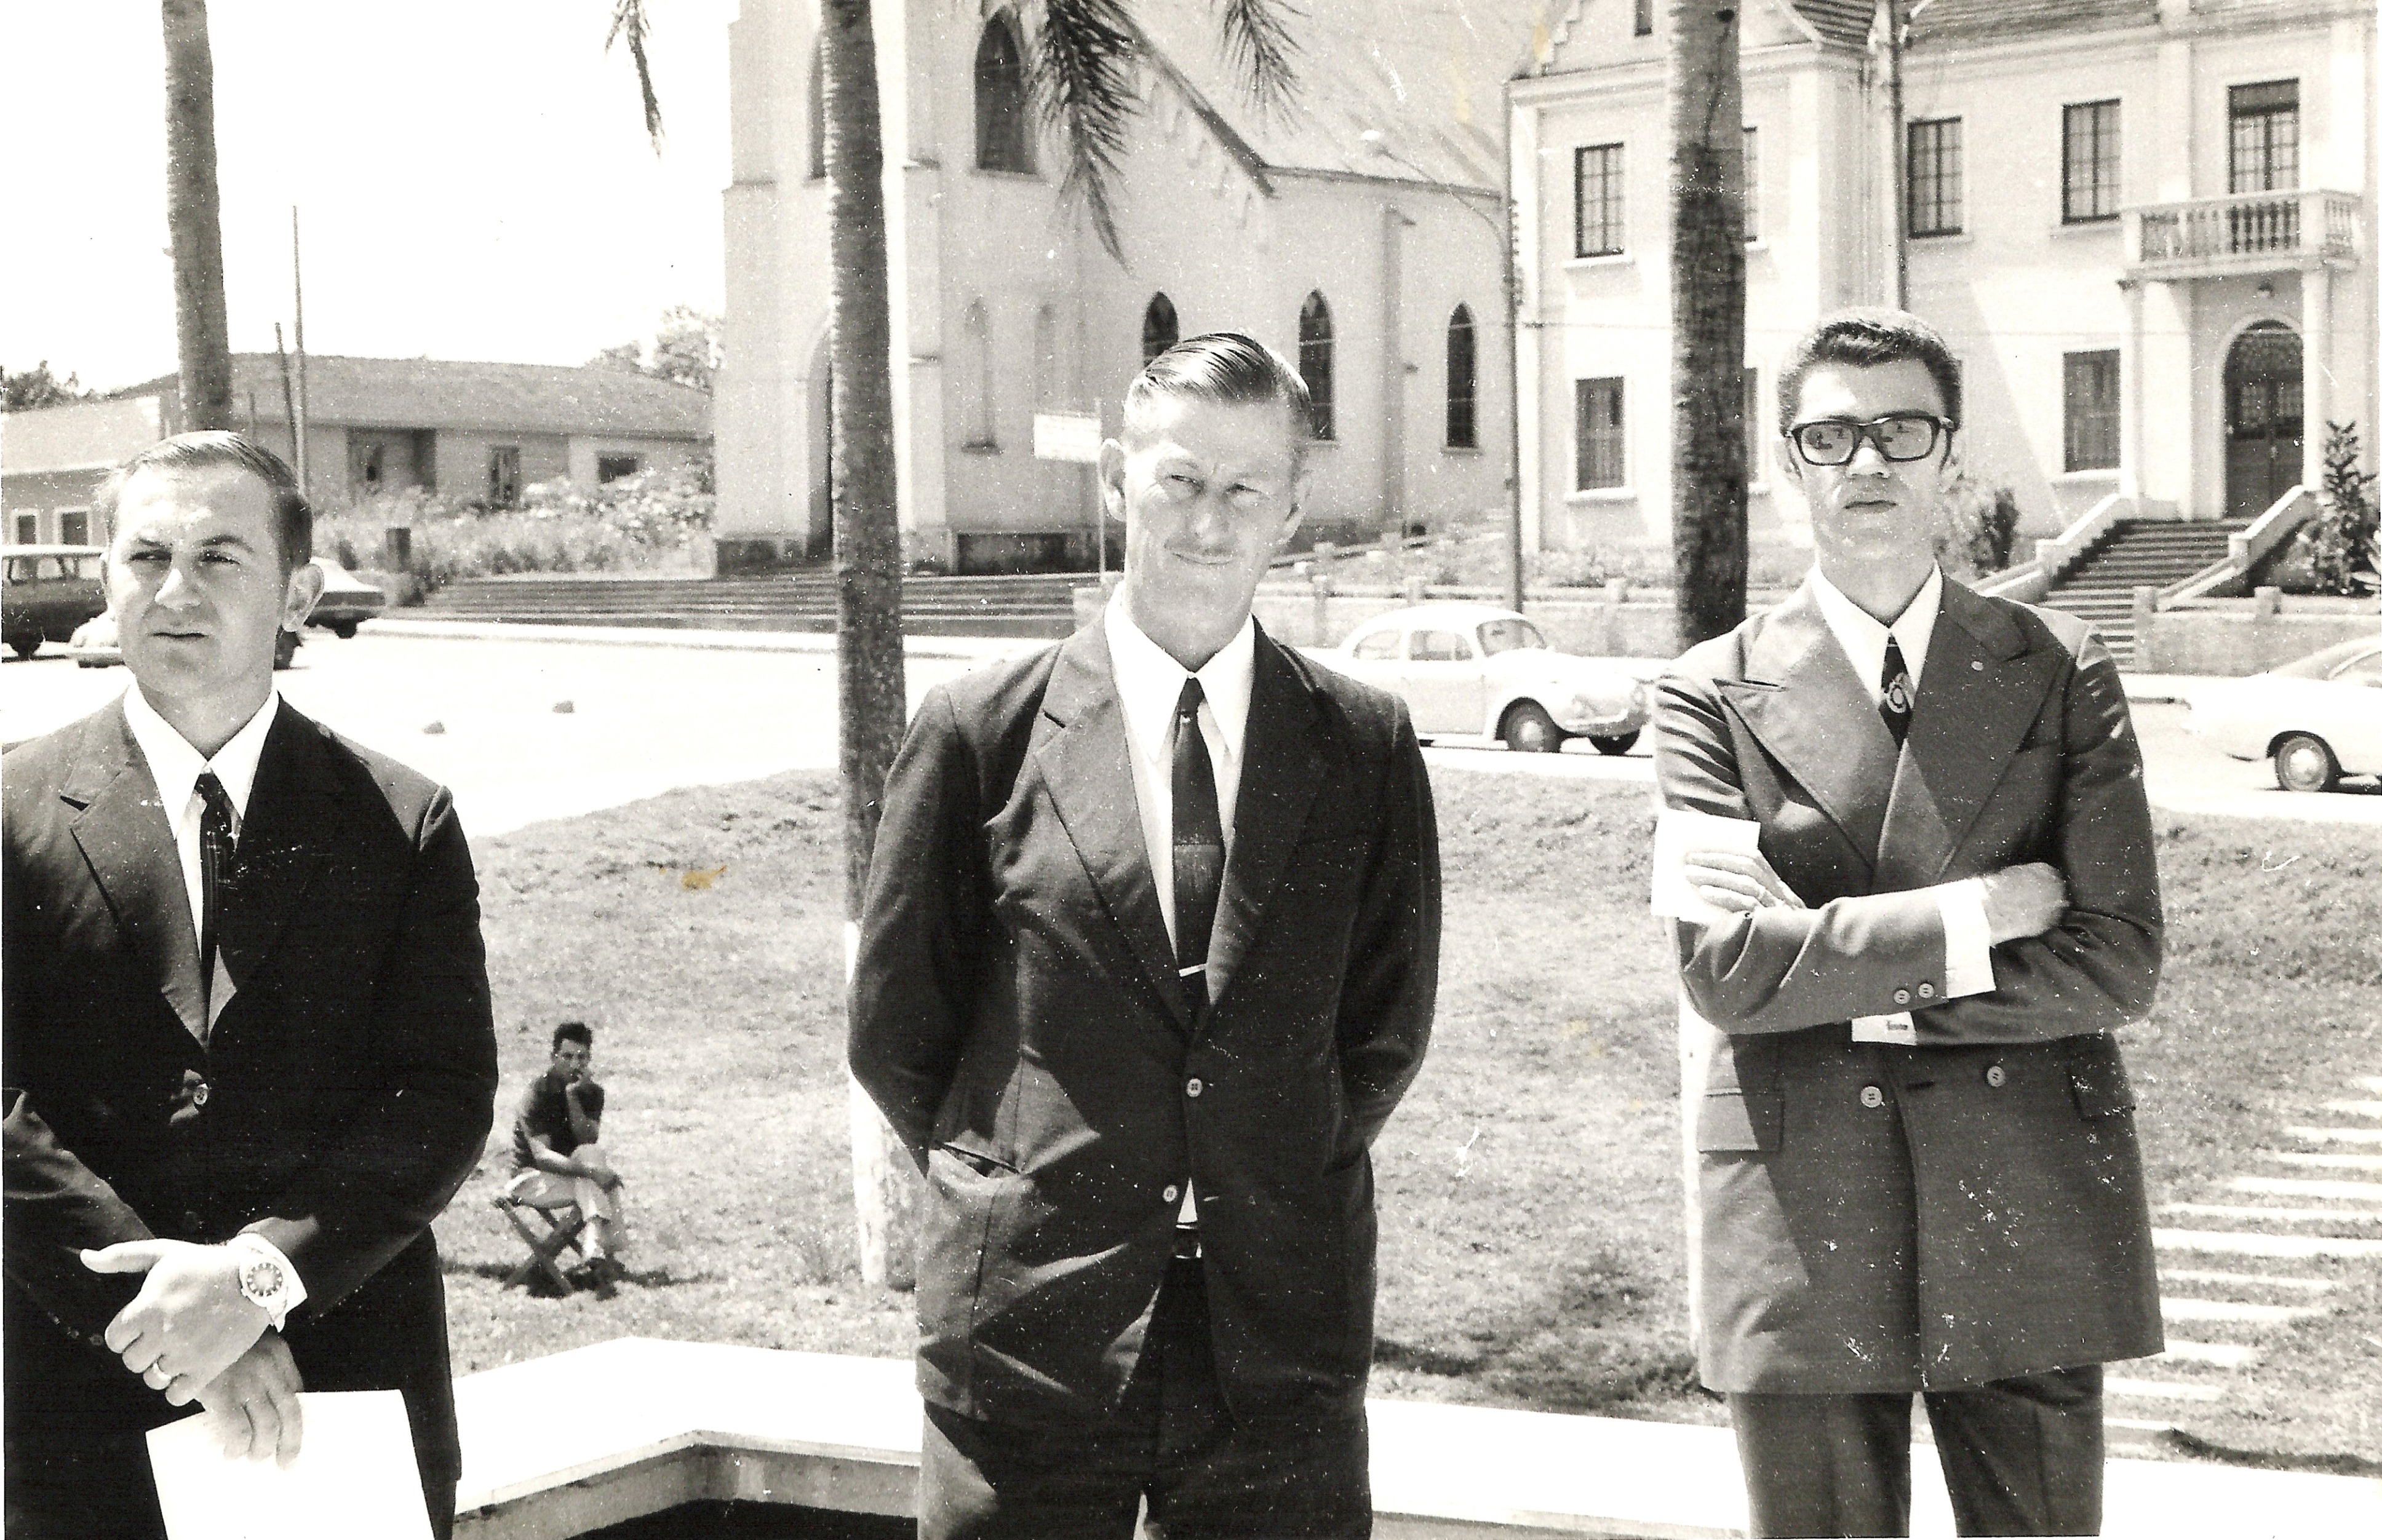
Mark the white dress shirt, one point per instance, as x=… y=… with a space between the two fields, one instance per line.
x=175 y=766
x=1968 y=939
x=1149 y=685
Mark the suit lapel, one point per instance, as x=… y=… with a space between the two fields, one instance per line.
x=1087 y=770
x=1979 y=692
x=1281 y=767
x=292 y=818
x=1800 y=699
x=127 y=841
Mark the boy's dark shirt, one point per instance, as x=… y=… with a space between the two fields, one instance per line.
x=545 y=1115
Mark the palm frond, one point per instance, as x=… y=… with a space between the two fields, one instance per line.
x=1262 y=52
x=1083 y=59
x=629 y=23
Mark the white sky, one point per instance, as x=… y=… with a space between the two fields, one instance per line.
x=472 y=175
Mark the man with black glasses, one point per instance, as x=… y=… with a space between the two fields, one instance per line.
x=1915 y=896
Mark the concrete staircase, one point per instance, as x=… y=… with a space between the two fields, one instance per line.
x=1038 y=606
x=2136 y=553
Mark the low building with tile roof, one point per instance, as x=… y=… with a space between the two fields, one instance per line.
x=2145 y=225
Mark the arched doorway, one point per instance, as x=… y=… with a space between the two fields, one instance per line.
x=2262 y=429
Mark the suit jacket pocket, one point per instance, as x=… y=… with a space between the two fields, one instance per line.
x=1740 y=1108
x=2097 y=1075
x=983 y=1162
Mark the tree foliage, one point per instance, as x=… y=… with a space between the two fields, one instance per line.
x=2339 y=542
x=27 y=389
x=684 y=347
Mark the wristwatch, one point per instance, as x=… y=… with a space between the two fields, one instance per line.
x=264 y=1277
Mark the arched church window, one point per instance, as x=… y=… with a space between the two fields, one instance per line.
x=1003 y=137
x=1158 y=331
x=1463 y=380
x=1315 y=359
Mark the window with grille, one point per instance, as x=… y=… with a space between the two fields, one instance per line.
x=1002 y=139
x=1315 y=359
x=1598 y=204
x=2088 y=175
x=1463 y=379
x=1598 y=403
x=2263 y=148
x=1935 y=177
x=2091 y=414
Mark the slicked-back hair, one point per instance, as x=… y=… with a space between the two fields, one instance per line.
x=186 y=454
x=1227 y=369
x=573 y=1031
x=1865 y=340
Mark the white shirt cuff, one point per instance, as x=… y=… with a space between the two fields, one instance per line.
x=253 y=1243
x=1968 y=940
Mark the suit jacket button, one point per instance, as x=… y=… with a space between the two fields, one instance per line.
x=1872 y=1097
x=1194 y=1088
x=1926 y=991
x=199 y=1095
x=1995 y=1076
x=1173 y=1193
x=1902 y=997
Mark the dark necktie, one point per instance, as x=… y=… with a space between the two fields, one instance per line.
x=1199 y=841
x=1895 y=704
x=217 y=845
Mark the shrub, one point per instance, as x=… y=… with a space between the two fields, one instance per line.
x=1979 y=528
x=2339 y=544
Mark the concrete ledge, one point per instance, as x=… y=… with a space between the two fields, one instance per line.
x=599 y=1436
x=2235 y=640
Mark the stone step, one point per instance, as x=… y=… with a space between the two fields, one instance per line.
x=2336 y=1136
x=2246 y=1243
x=2234 y=1310
x=2329 y=1159
x=2355 y=1109
x=2244 y=1280
x=2307 y=1187
x=2160 y=1390
x=2281 y=1216
x=2225 y=1356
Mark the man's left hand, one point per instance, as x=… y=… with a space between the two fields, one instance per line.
x=189 y=1322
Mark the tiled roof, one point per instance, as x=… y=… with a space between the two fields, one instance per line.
x=1845 y=21
x=1972 y=21
x=1429 y=74
x=443 y=393
x=82 y=435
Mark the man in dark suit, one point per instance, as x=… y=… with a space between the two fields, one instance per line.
x=1148 y=957
x=249 y=1053
x=1918 y=1169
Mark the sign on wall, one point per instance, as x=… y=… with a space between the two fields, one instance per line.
x=1066 y=436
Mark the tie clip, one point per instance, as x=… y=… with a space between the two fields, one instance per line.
x=1187 y=972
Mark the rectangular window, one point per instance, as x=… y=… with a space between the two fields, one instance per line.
x=2088 y=174
x=74 y=526
x=2263 y=151
x=29 y=529
x=504 y=476
x=1598 y=406
x=614 y=467
x=2092 y=410
x=1642 y=23
x=1598 y=205
x=1935 y=177
x=1752 y=185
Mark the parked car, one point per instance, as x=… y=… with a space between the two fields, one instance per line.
x=346 y=603
x=2319 y=718
x=47 y=591
x=1478 y=670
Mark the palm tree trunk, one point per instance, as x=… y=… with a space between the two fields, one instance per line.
x=193 y=219
x=1708 y=469
x=871 y=692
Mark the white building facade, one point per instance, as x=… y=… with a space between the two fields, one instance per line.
x=1373 y=261
x=2145 y=224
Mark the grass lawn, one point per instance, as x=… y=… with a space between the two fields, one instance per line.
x=1531 y=1252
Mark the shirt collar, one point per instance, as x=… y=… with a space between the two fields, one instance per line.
x=1149 y=682
x=175 y=765
x=1863 y=639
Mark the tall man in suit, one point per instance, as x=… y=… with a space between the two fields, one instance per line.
x=1148 y=957
x=249 y=1053
x=1918 y=1164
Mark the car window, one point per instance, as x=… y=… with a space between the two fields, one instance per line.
x=2363 y=670
x=1438 y=647
x=91 y=567
x=20 y=569
x=1504 y=635
x=48 y=569
x=1382 y=644
x=2322 y=665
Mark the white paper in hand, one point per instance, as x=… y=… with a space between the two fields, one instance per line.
x=354 y=1477
x=1681 y=830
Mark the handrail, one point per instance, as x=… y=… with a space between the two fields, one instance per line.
x=2024 y=581
x=2244 y=551
x=2061 y=552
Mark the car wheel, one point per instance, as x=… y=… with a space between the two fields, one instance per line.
x=2304 y=763
x=285 y=648
x=1620 y=745
x=1530 y=730
x=27 y=644
x=345 y=631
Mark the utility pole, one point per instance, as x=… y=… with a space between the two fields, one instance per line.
x=298 y=413
x=1708 y=471
x=194 y=220
x=1897 y=156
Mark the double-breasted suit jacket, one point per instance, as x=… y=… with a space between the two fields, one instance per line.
x=1883 y=1219
x=343 y=1093
x=1016 y=1011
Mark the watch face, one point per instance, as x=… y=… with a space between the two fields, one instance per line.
x=260 y=1279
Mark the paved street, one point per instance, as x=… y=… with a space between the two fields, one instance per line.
x=647 y=717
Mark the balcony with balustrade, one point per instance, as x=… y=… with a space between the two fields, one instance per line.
x=2244 y=232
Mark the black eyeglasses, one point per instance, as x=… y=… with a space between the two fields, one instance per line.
x=1900 y=435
